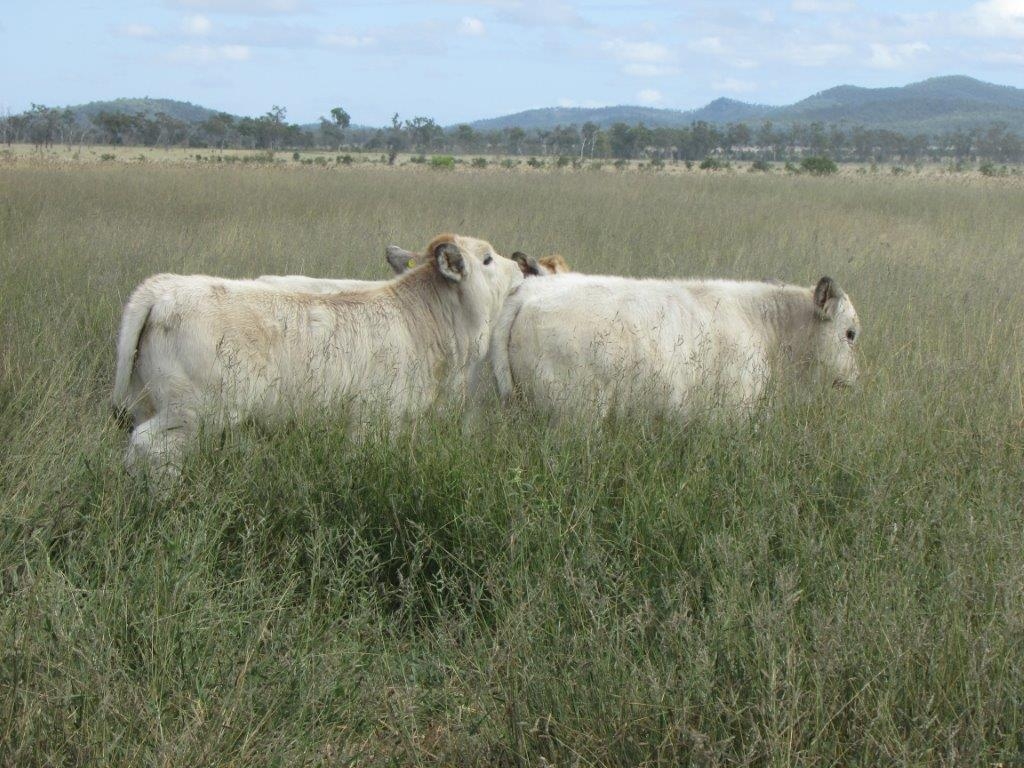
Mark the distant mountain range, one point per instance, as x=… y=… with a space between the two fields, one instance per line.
x=930 y=106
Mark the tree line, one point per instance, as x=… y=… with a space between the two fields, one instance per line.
x=45 y=126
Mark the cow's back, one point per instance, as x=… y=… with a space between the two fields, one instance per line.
x=601 y=342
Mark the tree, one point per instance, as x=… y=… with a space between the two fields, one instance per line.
x=514 y=138
x=621 y=140
x=424 y=133
x=333 y=131
x=465 y=137
x=340 y=117
x=218 y=128
x=589 y=133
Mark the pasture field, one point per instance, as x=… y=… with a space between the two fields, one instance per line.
x=840 y=582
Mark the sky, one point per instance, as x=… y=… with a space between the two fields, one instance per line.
x=461 y=60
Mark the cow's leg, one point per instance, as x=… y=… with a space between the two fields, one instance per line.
x=158 y=444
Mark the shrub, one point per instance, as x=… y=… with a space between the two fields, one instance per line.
x=711 y=164
x=508 y=162
x=418 y=159
x=621 y=163
x=988 y=169
x=899 y=170
x=533 y=162
x=595 y=165
x=656 y=164
x=442 y=162
x=761 y=165
x=688 y=164
x=108 y=156
x=343 y=159
x=818 y=166
x=295 y=156
x=562 y=161
x=479 y=162
x=790 y=168
x=321 y=160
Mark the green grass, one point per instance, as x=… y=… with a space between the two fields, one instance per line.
x=839 y=583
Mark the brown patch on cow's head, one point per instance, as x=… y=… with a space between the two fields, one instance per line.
x=555 y=263
x=430 y=254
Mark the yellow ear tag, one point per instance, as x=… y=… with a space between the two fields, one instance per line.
x=411 y=264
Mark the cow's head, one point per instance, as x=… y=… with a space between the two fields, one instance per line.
x=473 y=265
x=555 y=264
x=835 y=335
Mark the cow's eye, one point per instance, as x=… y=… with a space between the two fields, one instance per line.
x=851 y=334
x=488 y=260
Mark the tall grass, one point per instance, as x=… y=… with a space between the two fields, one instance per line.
x=840 y=582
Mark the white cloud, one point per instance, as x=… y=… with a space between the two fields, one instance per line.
x=712 y=45
x=893 y=56
x=733 y=85
x=208 y=54
x=649 y=96
x=641 y=58
x=346 y=40
x=245 y=7
x=649 y=70
x=1003 y=57
x=638 y=52
x=822 y=6
x=136 y=30
x=816 y=55
x=999 y=18
x=534 y=13
x=471 y=27
x=197 y=25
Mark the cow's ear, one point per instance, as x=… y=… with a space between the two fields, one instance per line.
x=450 y=262
x=827 y=294
x=400 y=259
x=530 y=266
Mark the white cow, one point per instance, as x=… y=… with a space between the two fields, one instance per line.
x=198 y=349
x=399 y=259
x=593 y=344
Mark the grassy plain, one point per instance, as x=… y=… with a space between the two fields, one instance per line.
x=841 y=583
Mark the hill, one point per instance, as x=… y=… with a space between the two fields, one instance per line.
x=933 y=106
x=179 y=110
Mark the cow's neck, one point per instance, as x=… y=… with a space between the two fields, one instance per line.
x=433 y=311
x=786 y=313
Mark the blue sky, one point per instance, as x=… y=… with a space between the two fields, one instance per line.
x=459 y=60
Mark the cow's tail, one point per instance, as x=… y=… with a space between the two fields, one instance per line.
x=133 y=322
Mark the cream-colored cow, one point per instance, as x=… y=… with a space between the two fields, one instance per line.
x=593 y=344
x=198 y=350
